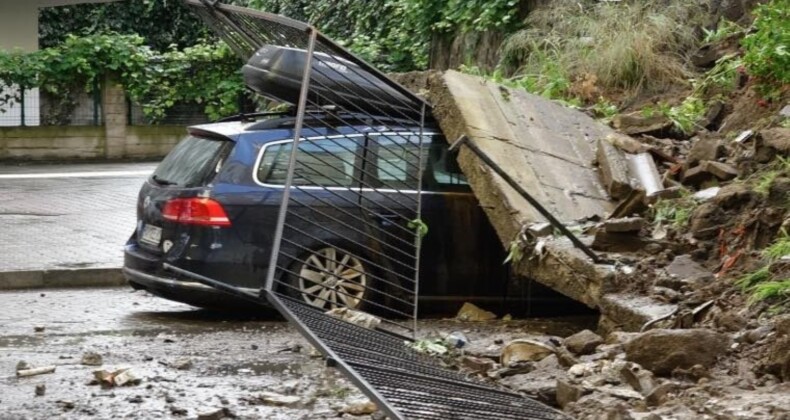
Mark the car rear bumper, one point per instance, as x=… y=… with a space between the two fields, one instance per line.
x=189 y=292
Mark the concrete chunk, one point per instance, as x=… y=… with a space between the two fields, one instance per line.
x=614 y=170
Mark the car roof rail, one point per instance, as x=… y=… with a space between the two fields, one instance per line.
x=250 y=117
x=332 y=119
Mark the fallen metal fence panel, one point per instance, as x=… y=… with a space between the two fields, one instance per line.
x=349 y=232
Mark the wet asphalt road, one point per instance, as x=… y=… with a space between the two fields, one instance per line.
x=233 y=359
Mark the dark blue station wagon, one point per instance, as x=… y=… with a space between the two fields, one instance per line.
x=211 y=208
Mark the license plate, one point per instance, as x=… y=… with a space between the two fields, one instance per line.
x=151 y=235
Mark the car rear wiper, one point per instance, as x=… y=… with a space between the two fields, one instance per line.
x=162 y=181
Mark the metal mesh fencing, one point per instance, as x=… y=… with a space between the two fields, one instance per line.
x=344 y=267
x=35 y=107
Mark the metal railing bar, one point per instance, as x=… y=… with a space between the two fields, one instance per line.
x=373 y=117
x=364 y=133
x=374 y=225
x=383 y=293
x=315 y=143
x=368 y=248
x=354 y=228
x=373 y=276
x=341 y=305
x=380 y=267
x=367 y=260
x=378 y=110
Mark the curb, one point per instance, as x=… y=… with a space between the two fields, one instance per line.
x=39 y=279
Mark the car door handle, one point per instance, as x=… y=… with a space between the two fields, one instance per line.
x=385 y=219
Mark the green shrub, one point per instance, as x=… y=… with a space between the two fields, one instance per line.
x=767 y=48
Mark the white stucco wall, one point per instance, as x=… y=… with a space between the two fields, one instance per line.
x=18 y=25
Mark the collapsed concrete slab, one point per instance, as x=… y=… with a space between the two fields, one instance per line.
x=554 y=153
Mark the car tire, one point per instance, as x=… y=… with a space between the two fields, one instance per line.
x=329 y=278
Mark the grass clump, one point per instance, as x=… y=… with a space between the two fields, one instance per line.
x=767 y=177
x=631 y=46
x=676 y=213
x=768 y=284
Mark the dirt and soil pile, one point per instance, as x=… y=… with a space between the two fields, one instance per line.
x=695 y=306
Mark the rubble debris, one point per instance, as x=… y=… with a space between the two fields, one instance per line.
x=636 y=123
x=39 y=329
x=640 y=379
x=23 y=365
x=359 y=408
x=643 y=168
x=216 y=414
x=91 y=359
x=684 y=271
x=429 y=346
x=583 y=342
x=66 y=404
x=618 y=242
x=524 y=350
x=613 y=170
x=41 y=389
x=706 y=147
x=182 y=364
x=706 y=194
x=178 y=411
x=627 y=143
x=745 y=135
x=273 y=398
x=660 y=394
x=624 y=224
x=472 y=313
x=359 y=318
x=456 y=339
x=661 y=351
x=537 y=230
x=477 y=364
x=568 y=393
x=120 y=377
x=515 y=368
x=35 y=371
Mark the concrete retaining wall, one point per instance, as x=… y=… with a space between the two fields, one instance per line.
x=88 y=142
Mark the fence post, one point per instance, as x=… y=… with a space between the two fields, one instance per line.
x=114 y=115
x=22 y=105
x=96 y=101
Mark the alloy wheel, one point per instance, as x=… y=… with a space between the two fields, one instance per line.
x=330 y=278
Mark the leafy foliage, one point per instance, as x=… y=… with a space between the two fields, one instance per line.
x=161 y=23
x=204 y=73
x=767 y=55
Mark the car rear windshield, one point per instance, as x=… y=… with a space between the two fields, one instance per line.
x=193 y=162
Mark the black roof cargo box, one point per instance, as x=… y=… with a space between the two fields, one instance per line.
x=276 y=72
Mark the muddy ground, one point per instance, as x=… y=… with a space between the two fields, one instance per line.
x=189 y=362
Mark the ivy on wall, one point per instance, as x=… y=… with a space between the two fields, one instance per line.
x=204 y=73
x=163 y=55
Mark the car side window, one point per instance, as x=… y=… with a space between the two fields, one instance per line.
x=396 y=160
x=442 y=172
x=320 y=162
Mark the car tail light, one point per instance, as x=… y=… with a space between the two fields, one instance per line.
x=196 y=211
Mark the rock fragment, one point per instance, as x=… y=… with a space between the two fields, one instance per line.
x=470 y=312
x=661 y=351
x=624 y=224
x=583 y=342
x=524 y=350
x=41 y=389
x=35 y=371
x=359 y=408
x=359 y=318
x=567 y=392
x=91 y=359
x=273 y=398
